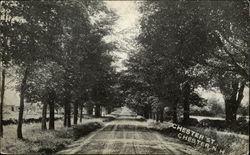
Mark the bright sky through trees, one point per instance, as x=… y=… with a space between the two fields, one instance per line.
x=125 y=29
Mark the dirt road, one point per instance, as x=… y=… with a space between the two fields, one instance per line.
x=124 y=136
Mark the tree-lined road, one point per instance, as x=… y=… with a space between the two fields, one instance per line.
x=127 y=137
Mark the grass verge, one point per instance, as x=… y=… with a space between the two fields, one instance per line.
x=45 y=142
x=232 y=143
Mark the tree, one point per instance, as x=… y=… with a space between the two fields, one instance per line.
x=89 y=54
x=8 y=23
x=228 y=54
x=224 y=48
x=44 y=86
x=202 y=36
x=233 y=56
x=59 y=53
x=30 y=50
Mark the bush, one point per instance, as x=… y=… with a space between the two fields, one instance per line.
x=27 y=121
x=202 y=113
x=190 y=122
x=242 y=119
x=219 y=124
x=243 y=110
x=212 y=108
x=78 y=131
x=108 y=118
x=65 y=133
x=84 y=129
x=240 y=126
x=216 y=109
x=48 y=143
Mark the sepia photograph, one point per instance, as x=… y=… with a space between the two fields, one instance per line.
x=124 y=77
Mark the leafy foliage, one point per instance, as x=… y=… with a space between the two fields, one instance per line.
x=59 y=51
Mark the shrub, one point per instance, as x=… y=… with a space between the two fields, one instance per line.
x=108 y=118
x=216 y=109
x=240 y=126
x=27 y=121
x=78 y=131
x=218 y=124
x=84 y=129
x=190 y=122
x=47 y=142
x=242 y=119
x=65 y=133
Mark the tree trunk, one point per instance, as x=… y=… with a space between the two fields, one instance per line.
x=65 y=115
x=21 y=108
x=157 y=117
x=52 y=114
x=44 y=114
x=150 y=113
x=145 y=114
x=90 y=110
x=233 y=103
x=109 y=109
x=81 y=107
x=2 y=102
x=228 y=108
x=161 y=116
x=186 y=95
x=174 y=112
x=75 y=112
x=69 y=115
x=239 y=98
x=97 y=110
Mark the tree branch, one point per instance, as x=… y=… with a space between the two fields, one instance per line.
x=233 y=45
x=241 y=70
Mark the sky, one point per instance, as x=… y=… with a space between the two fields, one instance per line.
x=125 y=30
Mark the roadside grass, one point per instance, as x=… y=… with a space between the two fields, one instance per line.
x=46 y=142
x=232 y=143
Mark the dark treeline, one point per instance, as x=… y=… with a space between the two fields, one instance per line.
x=59 y=55
x=184 y=45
